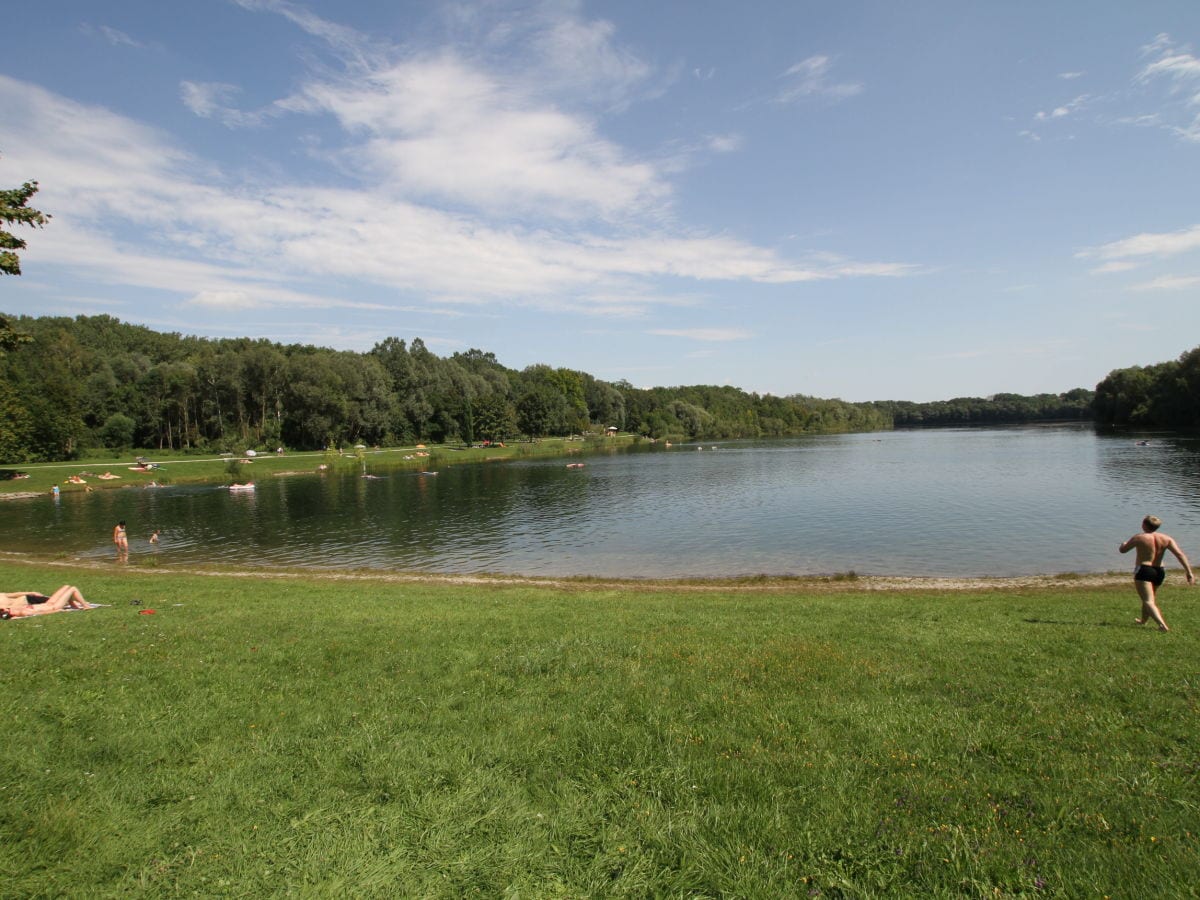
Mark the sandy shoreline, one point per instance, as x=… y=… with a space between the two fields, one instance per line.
x=755 y=584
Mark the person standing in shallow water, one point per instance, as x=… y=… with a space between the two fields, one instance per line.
x=121 y=538
x=1148 y=573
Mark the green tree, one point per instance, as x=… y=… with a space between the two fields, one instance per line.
x=117 y=432
x=16 y=423
x=1122 y=398
x=494 y=418
x=14 y=209
x=541 y=410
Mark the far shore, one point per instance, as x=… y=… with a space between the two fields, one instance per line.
x=27 y=480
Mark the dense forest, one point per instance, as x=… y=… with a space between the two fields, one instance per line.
x=1164 y=395
x=70 y=385
x=73 y=385
x=1075 y=405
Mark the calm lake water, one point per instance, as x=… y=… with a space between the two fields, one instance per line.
x=958 y=502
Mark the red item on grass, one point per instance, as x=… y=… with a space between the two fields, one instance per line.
x=145 y=612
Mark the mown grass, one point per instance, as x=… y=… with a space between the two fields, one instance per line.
x=183 y=468
x=324 y=737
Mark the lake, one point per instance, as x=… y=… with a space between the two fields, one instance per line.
x=935 y=502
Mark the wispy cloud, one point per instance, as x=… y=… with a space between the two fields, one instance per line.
x=1175 y=63
x=1169 y=283
x=1148 y=244
x=114 y=36
x=1175 y=66
x=810 y=78
x=1109 y=268
x=212 y=101
x=1064 y=110
x=714 y=335
x=725 y=143
x=351 y=45
x=1070 y=76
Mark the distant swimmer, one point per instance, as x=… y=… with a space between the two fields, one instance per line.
x=154 y=538
x=1148 y=573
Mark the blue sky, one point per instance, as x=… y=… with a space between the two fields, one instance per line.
x=866 y=200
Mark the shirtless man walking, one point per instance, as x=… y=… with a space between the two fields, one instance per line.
x=1149 y=574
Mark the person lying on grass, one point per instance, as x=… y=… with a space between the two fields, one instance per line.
x=16 y=604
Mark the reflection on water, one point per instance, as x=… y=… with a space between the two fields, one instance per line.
x=940 y=502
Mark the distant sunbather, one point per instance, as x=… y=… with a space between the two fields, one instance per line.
x=16 y=604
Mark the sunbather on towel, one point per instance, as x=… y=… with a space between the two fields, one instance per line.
x=16 y=604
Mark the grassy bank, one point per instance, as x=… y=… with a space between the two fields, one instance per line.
x=181 y=468
x=259 y=737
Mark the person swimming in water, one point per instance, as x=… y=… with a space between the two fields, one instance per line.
x=1148 y=573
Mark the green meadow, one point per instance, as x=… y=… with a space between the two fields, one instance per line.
x=370 y=737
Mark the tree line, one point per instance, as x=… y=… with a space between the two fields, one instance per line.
x=71 y=385
x=1000 y=409
x=1163 y=395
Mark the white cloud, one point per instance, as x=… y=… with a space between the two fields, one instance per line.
x=1181 y=71
x=705 y=334
x=440 y=128
x=445 y=161
x=1071 y=76
x=725 y=143
x=1159 y=245
x=114 y=36
x=1110 y=268
x=1169 y=283
x=579 y=55
x=1065 y=110
x=810 y=78
x=211 y=101
x=351 y=45
x=1178 y=65
x=225 y=300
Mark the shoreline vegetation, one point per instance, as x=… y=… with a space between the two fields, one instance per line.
x=70 y=386
x=260 y=735
x=174 y=468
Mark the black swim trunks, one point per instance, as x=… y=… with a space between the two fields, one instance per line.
x=35 y=599
x=1152 y=574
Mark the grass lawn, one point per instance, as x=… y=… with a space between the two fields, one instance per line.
x=321 y=737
